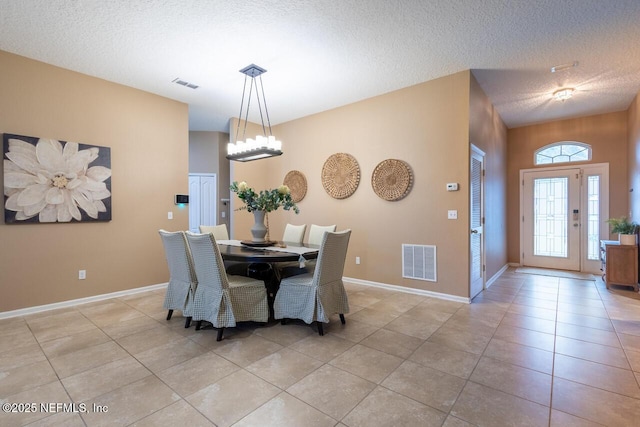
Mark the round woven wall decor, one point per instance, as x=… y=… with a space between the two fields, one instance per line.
x=340 y=175
x=392 y=179
x=297 y=183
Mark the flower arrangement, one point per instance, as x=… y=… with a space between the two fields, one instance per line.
x=266 y=200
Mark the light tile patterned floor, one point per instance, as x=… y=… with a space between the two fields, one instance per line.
x=529 y=351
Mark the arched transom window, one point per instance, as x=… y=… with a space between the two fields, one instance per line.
x=563 y=152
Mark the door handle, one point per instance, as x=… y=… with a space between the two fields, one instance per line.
x=474 y=231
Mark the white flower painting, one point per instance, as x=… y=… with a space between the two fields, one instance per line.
x=46 y=180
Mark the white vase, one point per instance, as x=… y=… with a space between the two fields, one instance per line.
x=259 y=230
x=628 y=239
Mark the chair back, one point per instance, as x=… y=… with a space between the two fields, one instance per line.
x=317 y=231
x=178 y=257
x=207 y=261
x=180 y=263
x=294 y=233
x=331 y=258
x=220 y=232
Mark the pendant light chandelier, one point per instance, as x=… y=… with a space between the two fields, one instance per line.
x=265 y=145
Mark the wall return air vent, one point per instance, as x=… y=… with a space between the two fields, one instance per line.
x=419 y=262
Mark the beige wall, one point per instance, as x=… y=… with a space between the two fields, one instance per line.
x=488 y=132
x=207 y=151
x=634 y=158
x=148 y=136
x=607 y=135
x=426 y=125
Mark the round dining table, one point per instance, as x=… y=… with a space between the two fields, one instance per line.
x=260 y=263
x=261 y=255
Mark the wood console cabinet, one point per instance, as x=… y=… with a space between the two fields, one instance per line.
x=619 y=264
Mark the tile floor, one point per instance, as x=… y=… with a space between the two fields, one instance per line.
x=529 y=351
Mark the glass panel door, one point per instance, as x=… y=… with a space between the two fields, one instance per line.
x=551 y=219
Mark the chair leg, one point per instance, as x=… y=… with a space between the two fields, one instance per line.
x=342 y=318
x=320 y=328
x=187 y=322
x=220 y=332
x=169 y=314
x=198 y=325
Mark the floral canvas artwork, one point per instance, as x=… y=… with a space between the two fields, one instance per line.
x=46 y=180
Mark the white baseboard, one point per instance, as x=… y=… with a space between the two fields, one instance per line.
x=70 y=303
x=496 y=276
x=514 y=264
x=408 y=290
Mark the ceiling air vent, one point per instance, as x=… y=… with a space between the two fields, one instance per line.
x=185 y=83
x=419 y=262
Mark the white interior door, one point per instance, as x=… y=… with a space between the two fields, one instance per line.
x=202 y=201
x=476 y=222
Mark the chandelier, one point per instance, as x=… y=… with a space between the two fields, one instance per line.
x=265 y=145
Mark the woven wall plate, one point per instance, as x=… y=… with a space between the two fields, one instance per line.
x=392 y=179
x=297 y=183
x=340 y=175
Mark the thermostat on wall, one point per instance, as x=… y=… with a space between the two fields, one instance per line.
x=182 y=199
x=452 y=186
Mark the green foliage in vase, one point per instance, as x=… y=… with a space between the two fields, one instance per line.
x=265 y=200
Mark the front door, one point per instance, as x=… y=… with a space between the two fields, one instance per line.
x=551 y=219
x=563 y=212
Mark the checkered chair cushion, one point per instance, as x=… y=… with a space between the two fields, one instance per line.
x=182 y=276
x=220 y=299
x=318 y=296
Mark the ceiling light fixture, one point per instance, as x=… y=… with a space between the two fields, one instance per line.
x=263 y=146
x=563 y=67
x=563 y=94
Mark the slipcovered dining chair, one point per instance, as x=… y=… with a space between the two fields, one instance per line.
x=182 y=277
x=220 y=231
x=313 y=298
x=317 y=231
x=220 y=299
x=294 y=233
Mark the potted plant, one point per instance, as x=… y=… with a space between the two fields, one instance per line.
x=625 y=228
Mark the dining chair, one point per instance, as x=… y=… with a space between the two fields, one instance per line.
x=294 y=233
x=220 y=231
x=220 y=299
x=182 y=276
x=315 y=297
x=317 y=231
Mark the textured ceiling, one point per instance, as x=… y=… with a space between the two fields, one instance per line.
x=326 y=53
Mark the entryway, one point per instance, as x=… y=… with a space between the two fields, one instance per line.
x=563 y=212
